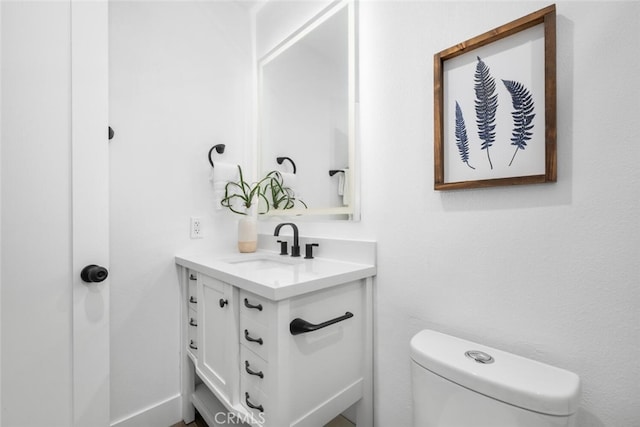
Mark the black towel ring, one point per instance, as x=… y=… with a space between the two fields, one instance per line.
x=282 y=159
x=219 y=149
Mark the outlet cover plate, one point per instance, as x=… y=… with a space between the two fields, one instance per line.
x=196 y=231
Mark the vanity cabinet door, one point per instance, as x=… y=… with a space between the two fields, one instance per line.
x=327 y=364
x=217 y=341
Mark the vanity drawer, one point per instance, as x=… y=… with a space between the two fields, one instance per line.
x=254 y=400
x=254 y=370
x=193 y=324
x=255 y=307
x=192 y=347
x=253 y=335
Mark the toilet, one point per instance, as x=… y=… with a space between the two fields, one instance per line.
x=458 y=383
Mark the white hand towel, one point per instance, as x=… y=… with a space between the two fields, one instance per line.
x=344 y=187
x=340 y=184
x=219 y=176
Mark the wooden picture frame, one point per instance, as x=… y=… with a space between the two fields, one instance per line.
x=506 y=75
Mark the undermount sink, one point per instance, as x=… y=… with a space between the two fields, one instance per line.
x=261 y=262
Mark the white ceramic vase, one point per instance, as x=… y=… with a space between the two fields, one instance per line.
x=248 y=231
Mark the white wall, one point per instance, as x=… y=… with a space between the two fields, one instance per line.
x=549 y=271
x=180 y=82
x=36 y=211
x=0 y=210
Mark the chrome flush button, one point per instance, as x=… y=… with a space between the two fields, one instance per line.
x=480 y=356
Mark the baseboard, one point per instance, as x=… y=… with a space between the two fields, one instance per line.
x=162 y=414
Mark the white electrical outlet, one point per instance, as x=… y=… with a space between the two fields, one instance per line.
x=196 y=228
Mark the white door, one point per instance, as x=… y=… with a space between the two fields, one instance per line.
x=55 y=327
x=90 y=194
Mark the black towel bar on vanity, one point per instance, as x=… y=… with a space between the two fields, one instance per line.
x=300 y=326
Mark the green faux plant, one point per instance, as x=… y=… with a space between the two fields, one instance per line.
x=244 y=193
x=281 y=197
x=270 y=189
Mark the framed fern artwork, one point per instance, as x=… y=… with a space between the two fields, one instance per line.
x=495 y=106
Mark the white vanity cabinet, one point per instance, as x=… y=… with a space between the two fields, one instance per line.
x=279 y=357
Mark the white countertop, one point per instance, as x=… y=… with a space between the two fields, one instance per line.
x=279 y=277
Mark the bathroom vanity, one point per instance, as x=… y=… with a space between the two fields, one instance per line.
x=275 y=340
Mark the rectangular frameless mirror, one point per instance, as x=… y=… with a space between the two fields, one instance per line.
x=307 y=115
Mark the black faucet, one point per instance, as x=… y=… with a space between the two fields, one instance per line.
x=295 y=248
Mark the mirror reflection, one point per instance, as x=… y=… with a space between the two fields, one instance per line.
x=307 y=117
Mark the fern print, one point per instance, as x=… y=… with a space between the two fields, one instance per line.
x=486 y=106
x=522 y=115
x=461 y=136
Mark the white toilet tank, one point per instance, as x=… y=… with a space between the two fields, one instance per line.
x=458 y=383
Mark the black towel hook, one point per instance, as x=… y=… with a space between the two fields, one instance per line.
x=219 y=149
x=282 y=159
x=335 y=171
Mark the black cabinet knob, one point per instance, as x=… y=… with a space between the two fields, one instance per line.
x=223 y=302
x=94 y=273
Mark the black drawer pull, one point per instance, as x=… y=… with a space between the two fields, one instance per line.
x=193 y=345
x=193 y=322
x=248 y=305
x=223 y=302
x=248 y=338
x=299 y=326
x=251 y=405
x=192 y=277
x=250 y=372
x=193 y=300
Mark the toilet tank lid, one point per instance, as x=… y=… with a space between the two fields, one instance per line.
x=510 y=378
